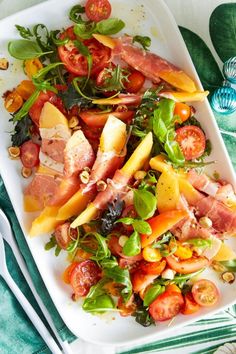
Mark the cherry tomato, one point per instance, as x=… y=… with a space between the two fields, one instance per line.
x=29 y=154
x=130 y=264
x=182 y=110
x=126 y=309
x=47 y=96
x=83 y=276
x=166 y=306
x=135 y=83
x=190 y=305
x=173 y=288
x=76 y=63
x=154 y=268
x=187 y=266
x=67 y=273
x=97 y=10
x=64 y=234
x=94 y=118
x=140 y=280
x=205 y=293
x=192 y=141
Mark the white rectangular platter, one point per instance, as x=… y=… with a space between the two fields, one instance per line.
x=151 y=18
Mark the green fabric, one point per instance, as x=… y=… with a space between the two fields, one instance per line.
x=24 y=337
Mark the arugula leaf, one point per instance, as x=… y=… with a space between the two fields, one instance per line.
x=102 y=251
x=42 y=37
x=55 y=37
x=142 y=316
x=165 y=239
x=25 y=49
x=75 y=13
x=26 y=106
x=70 y=98
x=145 y=203
x=132 y=246
x=108 y=262
x=120 y=276
x=44 y=71
x=230 y=265
x=51 y=244
x=24 y=32
x=72 y=245
x=152 y=293
x=110 y=26
x=97 y=301
x=184 y=277
x=21 y=131
x=143 y=40
x=114 y=78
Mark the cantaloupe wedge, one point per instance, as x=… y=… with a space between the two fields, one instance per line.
x=114 y=135
x=75 y=205
x=189 y=192
x=45 y=222
x=167 y=192
x=179 y=80
x=51 y=116
x=185 y=96
x=225 y=253
x=158 y=163
x=105 y=40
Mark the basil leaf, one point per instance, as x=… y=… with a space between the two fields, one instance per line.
x=126 y=221
x=165 y=112
x=44 y=71
x=75 y=12
x=26 y=106
x=145 y=203
x=152 y=293
x=85 y=30
x=142 y=227
x=120 y=276
x=159 y=127
x=132 y=246
x=230 y=265
x=100 y=304
x=110 y=26
x=108 y=262
x=23 y=49
x=173 y=150
x=143 y=40
x=24 y=32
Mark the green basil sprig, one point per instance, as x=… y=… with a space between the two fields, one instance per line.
x=109 y=26
x=143 y=40
x=140 y=226
x=132 y=246
x=24 y=49
x=145 y=203
x=152 y=293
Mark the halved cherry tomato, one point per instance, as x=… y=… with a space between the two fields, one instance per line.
x=130 y=264
x=173 y=288
x=151 y=254
x=47 y=96
x=182 y=110
x=192 y=141
x=95 y=118
x=76 y=63
x=135 y=83
x=190 y=305
x=141 y=280
x=187 y=266
x=166 y=306
x=64 y=234
x=67 y=273
x=154 y=268
x=97 y=10
x=29 y=154
x=25 y=89
x=83 y=276
x=13 y=102
x=205 y=293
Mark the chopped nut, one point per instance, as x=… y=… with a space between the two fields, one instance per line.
x=14 y=152
x=4 y=64
x=122 y=240
x=88 y=169
x=84 y=177
x=73 y=122
x=228 y=277
x=78 y=127
x=218 y=267
x=140 y=175
x=205 y=222
x=26 y=172
x=101 y=186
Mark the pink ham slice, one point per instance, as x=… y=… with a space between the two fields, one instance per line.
x=222 y=217
x=54 y=149
x=149 y=64
x=67 y=188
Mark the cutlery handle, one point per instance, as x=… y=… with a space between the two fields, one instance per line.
x=32 y=314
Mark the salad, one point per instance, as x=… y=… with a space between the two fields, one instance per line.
x=106 y=131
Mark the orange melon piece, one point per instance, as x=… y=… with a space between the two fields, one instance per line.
x=185 y=96
x=45 y=222
x=178 y=79
x=225 y=253
x=159 y=163
x=75 y=205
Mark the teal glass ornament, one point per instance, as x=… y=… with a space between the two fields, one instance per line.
x=229 y=70
x=223 y=100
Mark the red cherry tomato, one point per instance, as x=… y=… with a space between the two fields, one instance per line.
x=140 y=280
x=192 y=141
x=135 y=83
x=166 y=306
x=67 y=273
x=154 y=268
x=64 y=234
x=76 y=63
x=205 y=293
x=190 y=305
x=95 y=118
x=97 y=10
x=84 y=275
x=29 y=154
x=182 y=110
x=187 y=266
x=47 y=96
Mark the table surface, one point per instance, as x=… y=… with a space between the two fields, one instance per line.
x=194 y=15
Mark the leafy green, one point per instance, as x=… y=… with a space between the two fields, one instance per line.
x=70 y=98
x=26 y=106
x=142 y=316
x=75 y=13
x=51 y=244
x=108 y=262
x=24 y=32
x=152 y=293
x=110 y=26
x=180 y=279
x=145 y=203
x=114 y=78
x=230 y=265
x=132 y=246
x=199 y=242
x=25 y=49
x=97 y=301
x=173 y=150
x=143 y=40
x=21 y=131
x=120 y=276
x=166 y=237
x=42 y=37
x=72 y=245
x=85 y=30
x=101 y=252
x=222 y=28
x=140 y=226
x=109 y=216
x=204 y=62
x=83 y=49
x=55 y=37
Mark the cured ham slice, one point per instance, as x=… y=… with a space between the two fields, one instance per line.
x=54 y=149
x=151 y=65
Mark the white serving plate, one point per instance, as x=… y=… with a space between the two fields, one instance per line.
x=152 y=19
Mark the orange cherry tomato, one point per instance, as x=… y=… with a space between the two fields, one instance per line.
x=166 y=306
x=25 y=89
x=173 y=288
x=187 y=266
x=205 y=293
x=32 y=66
x=153 y=268
x=182 y=110
x=190 y=305
x=140 y=280
x=67 y=273
x=13 y=102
